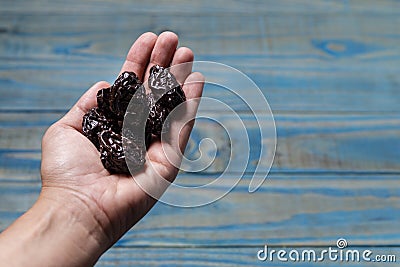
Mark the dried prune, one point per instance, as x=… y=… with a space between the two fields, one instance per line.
x=122 y=92
x=111 y=152
x=157 y=116
x=95 y=122
x=166 y=94
x=103 y=125
x=115 y=99
x=161 y=80
x=136 y=154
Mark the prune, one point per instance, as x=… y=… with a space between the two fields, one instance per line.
x=161 y=80
x=95 y=122
x=136 y=153
x=103 y=125
x=157 y=116
x=115 y=99
x=111 y=152
x=103 y=99
x=122 y=91
x=166 y=94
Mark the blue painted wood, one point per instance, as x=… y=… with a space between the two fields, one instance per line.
x=328 y=68
x=301 y=63
x=305 y=143
x=244 y=256
x=177 y=7
x=288 y=210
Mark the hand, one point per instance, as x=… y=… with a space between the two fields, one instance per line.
x=73 y=177
x=71 y=164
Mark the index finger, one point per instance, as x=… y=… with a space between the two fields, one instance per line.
x=139 y=54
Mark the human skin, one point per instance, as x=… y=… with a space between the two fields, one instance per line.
x=82 y=209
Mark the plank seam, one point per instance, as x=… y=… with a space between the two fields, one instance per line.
x=249 y=246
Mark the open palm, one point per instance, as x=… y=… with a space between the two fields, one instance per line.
x=71 y=166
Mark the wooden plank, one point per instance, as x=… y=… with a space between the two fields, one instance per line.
x=300 y=65
x=209 y=6
x=310 y=36
x=305 y=143
x=57 y=85
x=288 y=210
x=309 y=56
x=227 y=257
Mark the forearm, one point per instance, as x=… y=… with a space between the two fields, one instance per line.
x=52 y=234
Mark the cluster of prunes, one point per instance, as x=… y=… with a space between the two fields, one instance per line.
x=102 y=125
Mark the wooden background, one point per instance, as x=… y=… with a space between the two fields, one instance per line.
x=329 y=69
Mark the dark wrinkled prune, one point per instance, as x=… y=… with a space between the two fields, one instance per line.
x=165 y=87
x=94 y=122
x=123 y=90
x=161 y=80
x=136 y=153
x=103 y=100
x=156 y=117
x=111 y=152
x=116 y=98
x=103 y=124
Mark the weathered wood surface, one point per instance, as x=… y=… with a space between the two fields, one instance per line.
x=154 y=7
x=329 y=70
x=305 y=143
x=287 y=210
x=301 y=62
x=224 y=257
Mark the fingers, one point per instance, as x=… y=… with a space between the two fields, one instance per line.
x=74 y=117
x=193 y=88
x=182 y=63
x=163 y=51
x=139 y=54
x=161 y=169
x=164 y=157
x=150 y=50
x=181 y=121
x=147 y=51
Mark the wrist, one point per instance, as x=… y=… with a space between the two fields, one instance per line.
x=63 y=226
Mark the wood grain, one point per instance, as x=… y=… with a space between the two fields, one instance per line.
x=301 y=63
x=204 y=7
x=329 y=70
x=223 y=257
x=305 y=144
x=287 y=210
